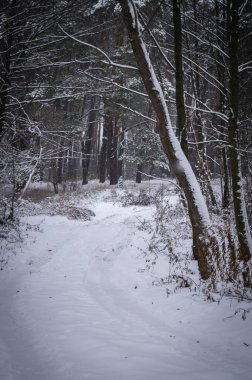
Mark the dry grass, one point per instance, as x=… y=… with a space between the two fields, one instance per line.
x=38 y=195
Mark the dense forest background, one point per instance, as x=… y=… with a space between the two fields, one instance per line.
x=75 y=105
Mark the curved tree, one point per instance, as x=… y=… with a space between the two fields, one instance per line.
x=204 y=245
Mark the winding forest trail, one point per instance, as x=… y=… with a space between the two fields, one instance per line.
x=79 y=304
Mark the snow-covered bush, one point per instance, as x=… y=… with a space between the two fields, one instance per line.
x=15 y=168
x=170 y=238
x=10 y=235
x=140 y=198
x=59 y=205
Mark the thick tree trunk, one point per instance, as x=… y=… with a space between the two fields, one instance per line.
x=108 y=159
x=203 y=243
x=103 y=152
x=180 y=104
x=244 y=237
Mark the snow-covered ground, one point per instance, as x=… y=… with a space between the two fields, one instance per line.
x=77 y=302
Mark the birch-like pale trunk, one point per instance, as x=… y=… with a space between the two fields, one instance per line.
x=204 y=244
x=31 y=173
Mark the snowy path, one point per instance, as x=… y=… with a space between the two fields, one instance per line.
x=78 y=306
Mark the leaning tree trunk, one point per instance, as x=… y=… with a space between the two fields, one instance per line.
x=180 y=104
x=203 y=243
x=243 y=232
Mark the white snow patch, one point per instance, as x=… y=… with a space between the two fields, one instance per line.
x=77 y=303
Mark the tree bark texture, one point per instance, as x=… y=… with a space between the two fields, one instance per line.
x=86 y=146
x=108 y=158
x=112 y=150
x=139 y=173
x=103 y=153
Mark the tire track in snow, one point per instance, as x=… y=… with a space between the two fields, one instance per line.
x=64 y=289
x=79 y=317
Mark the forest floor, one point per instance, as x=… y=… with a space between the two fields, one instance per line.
x=85 y=299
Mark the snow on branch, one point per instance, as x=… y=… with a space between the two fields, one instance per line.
x=136 y=112
x=112 y=82
x=108 y=60
x=245 y=66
